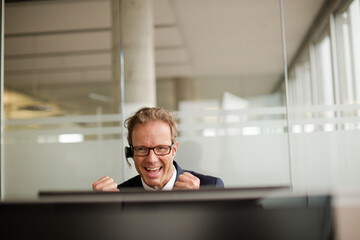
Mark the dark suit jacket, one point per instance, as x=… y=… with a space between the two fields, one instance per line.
x=205 y=181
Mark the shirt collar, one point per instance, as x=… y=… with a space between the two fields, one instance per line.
x=168 y=186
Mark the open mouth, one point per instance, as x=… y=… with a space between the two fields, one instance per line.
x=153 y=171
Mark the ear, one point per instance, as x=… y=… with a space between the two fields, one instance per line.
x=175 y=149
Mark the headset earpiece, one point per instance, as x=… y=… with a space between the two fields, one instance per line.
x=129 y=152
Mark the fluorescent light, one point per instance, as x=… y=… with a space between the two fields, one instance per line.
x=248 y=131
x=70 y=138
x=329 y=127
x=209 y=132
x=296 y=129
x=309 y=128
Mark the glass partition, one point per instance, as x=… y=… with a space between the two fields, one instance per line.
x=62 y=96
x=219 y=68
x=217 y=65
x=75 y=69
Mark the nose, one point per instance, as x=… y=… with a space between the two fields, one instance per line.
x=152 y=156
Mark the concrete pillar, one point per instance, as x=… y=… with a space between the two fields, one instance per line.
x=116 y=62
x=138 y=45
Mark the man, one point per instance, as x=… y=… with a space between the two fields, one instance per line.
x=152 y=136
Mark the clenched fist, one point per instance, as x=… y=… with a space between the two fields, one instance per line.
x=105 y=184
x=187 y=181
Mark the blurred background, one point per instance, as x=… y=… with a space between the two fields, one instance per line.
x=266 y=92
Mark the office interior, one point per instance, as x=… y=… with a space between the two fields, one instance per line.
x=266 y=93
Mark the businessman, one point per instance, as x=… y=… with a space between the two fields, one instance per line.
x=152 y=136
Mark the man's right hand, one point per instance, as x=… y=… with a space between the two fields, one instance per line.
x=105 y=184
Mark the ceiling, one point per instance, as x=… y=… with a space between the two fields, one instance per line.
x=193 y=39
x=227 y=38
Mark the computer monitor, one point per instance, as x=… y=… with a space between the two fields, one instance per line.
x=223 y=214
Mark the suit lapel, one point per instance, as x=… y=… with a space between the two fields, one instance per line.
x=179 y=170
x=138 y=183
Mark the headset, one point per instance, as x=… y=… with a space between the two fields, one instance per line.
x=129 y=153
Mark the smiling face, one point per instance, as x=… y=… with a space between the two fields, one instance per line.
x=155 y=170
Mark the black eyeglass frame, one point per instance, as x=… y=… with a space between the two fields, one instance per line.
x=152 y=148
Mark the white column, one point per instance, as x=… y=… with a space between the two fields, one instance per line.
x=139 y=57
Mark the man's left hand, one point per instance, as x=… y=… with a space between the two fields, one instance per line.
x=187 y=181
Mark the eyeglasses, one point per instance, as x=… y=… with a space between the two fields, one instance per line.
x=160 y=150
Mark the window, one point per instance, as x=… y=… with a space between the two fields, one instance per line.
x=348 y=39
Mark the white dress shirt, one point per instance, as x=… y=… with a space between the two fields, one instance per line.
x=168 y=186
